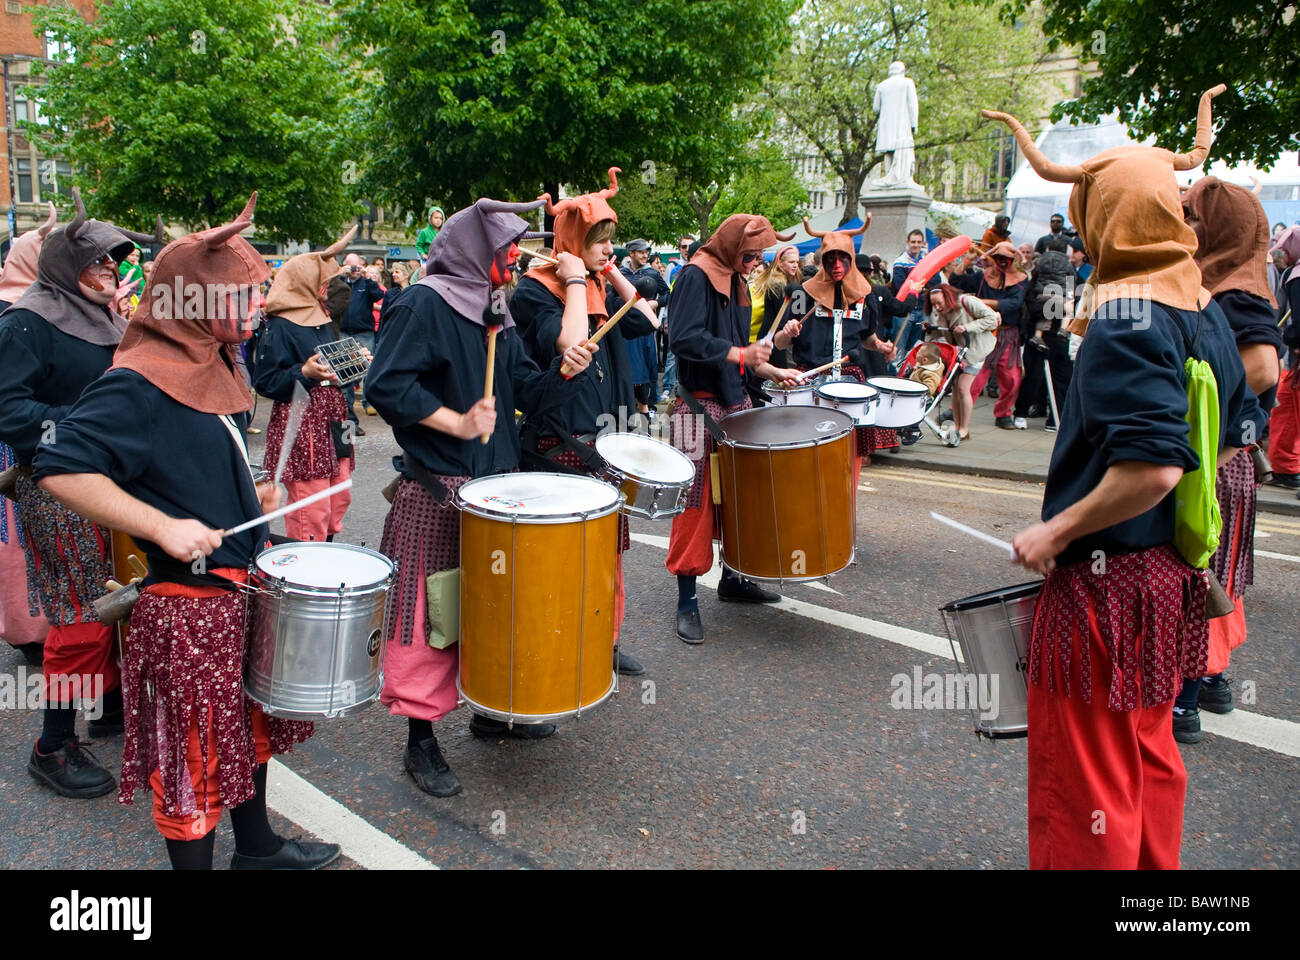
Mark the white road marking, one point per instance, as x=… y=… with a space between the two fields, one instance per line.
x=1276 y=556
x=310 y=808
x=1255 y=729
x=818 y=585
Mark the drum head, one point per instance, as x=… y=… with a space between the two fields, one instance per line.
x=770 y=388
x=1018 y=592
x=540 y=497
x=899 y=386
x=324 y=565
x=849 y=390
x=786 y=426
x=644 y=457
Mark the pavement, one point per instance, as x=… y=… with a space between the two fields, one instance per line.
x=1020 y=455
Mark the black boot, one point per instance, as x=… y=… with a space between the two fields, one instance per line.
x=488 y=729
x=689 y=628
x=71 y=770
x=192 y=854
x=735 y=589
x=258 y=848
x=628 y=666
x=431 y=773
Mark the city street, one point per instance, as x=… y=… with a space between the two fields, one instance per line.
x=777 y=743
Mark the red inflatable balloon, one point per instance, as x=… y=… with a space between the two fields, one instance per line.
x=933 y=262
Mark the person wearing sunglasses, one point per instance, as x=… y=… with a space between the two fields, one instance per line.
x=710 y=335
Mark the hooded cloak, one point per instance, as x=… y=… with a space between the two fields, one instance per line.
x=295 y=292
x=21 y=265
x=720 y=257
x=820 y=286
x=994 y=275
x=1289 y=244
x=574 y=218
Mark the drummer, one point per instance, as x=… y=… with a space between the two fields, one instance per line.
x=838 y=287
x=155 y=449
x=427 y=381
x=322 y=454
x=709 y=334
x=558 y=306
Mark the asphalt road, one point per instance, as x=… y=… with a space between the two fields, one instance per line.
x=774 y=744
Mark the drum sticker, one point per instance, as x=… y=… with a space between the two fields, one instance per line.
x=372 y=645
x=284 y=560
x=503 y=502
x=824 y=426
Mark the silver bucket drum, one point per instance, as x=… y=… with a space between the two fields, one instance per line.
x=858 y=400
x=994 y=630
x=902 y=402
x=800 y=395
x=654 y=477
x=316 y=622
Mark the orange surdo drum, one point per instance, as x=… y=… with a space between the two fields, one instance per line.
x=538 y=553
x=787 y=492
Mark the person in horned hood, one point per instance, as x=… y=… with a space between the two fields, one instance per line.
x=155 y=448
x=56 y=339
x=1231 y=249
x=837 y=322
x=710 y=335
x=1121 y=619
x=322 y=454
x=427 y=381
x=558 y=306
x=21 y=624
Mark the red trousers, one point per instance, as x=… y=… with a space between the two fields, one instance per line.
x=324 y=518
x=1106 y=787
x=690 y=544
x=1284 y=426
x=77 y=653
x=1006 y=358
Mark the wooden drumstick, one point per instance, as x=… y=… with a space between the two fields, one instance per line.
x=566 y=370
x=491 y=368
x=825 y=366
x=533 y=255
x=776 y=324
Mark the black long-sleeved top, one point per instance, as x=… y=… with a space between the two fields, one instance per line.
x=1009 y=299
x=705 y=326
x=360 y=315
x=430 y=357
x=1128 y=401
x=174 y=458
x=283 y=350
x=606 y=386
x=42 y=373
x=813 y=346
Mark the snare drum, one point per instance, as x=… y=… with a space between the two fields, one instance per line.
x=537 y=557
x=800 y=395
x=858 y=400
x=654 y=477
x=902 y=402
x=994 y=631
x=787 y=492
x=315 y=645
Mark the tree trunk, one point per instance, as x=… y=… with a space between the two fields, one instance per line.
x=854 y=176
x=704 y=208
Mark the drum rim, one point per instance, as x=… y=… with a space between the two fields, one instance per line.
x=640 y=477
x=988 y=598
x=540 y=518
x=872 y=397
x=916 y=390
x=529 y=718
x=774 y=387
x=261 y=579
x=846 y=430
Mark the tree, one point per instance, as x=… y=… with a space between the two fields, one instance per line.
x=185 y=108
x=957 y=51
x=503 y=97
x=1154 y=60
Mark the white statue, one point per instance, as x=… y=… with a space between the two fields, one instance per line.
x=895 y=105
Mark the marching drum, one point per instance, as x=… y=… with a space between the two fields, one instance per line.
x=993 y=630
x=858 y=400
x=315 y=644
x=902 y=402
x=537 y=590
x=787 y=492
x=654 y=477
x=800 y=395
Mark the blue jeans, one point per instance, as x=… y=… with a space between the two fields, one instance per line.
x=366 y=340
x=670 y=374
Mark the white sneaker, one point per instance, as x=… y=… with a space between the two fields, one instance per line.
x=1021 y=423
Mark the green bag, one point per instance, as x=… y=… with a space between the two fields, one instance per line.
x=1197 y=521
x=442 y=608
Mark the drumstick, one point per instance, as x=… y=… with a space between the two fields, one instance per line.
x=296 y=505
x=825 y=366
x=541 y=256
x=771 y=334
x=491 y=368
x=978 y=534
x=603 y=329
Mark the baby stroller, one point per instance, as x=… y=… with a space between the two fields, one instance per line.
x=952 y=361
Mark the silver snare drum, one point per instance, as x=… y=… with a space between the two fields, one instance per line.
x=993 y=630
x=902 y=402
x=858 y=400
x=316 y=621
x=654 y=476
x=800 y=395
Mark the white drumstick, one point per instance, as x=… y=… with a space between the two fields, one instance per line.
x=296 y=505
x=978 y=534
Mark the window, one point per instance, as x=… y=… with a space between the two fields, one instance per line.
x=20 y=107
x=55 y=50
x=24 y=171
x=56 y=179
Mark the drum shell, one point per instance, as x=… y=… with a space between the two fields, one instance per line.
x=314 y=653
x=788 y=511
x=898 y=410
x=537 y=615
x=862 y=411
x=800 y=396
x=646 y=498
x=994 y=632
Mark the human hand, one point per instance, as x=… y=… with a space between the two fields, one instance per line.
x=578 y=357
x=1036 y=548
x=756 y=353
x=478 y=420
x=270 y=496
x=183 y=540
x=570 y=267
x=315 y=368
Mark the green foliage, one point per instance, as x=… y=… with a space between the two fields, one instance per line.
x=184 y=108
x=958 y=53
x=766 y=184
x=1155 y=60
x=499 y=97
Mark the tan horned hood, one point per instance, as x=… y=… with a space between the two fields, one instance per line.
x=295 y=292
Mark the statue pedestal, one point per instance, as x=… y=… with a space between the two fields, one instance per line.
x=894 y=211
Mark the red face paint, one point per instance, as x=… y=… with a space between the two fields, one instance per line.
x=837 y=266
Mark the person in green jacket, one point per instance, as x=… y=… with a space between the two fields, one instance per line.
x=425 y=238
x=130 y=268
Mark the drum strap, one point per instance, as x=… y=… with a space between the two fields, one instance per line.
x=595 y=464
x=697 y=408
x=425 y=478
